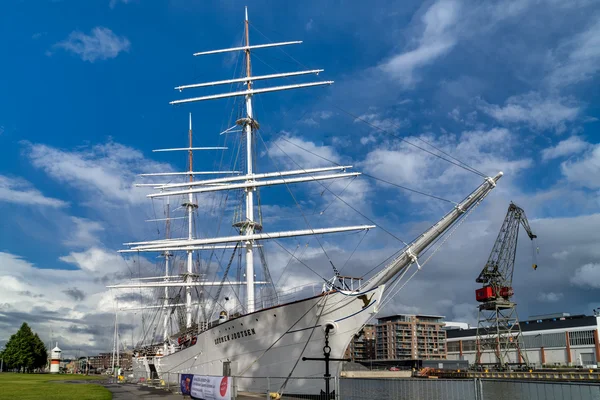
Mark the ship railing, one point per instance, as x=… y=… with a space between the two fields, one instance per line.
x=266 y=298
x=270 y=298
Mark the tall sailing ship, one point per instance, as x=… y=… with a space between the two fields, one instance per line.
x=267 y=331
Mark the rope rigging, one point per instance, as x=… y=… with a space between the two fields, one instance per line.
x=220 y=201
x=451 y=159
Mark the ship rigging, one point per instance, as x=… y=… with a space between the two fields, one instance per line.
x=256 y=338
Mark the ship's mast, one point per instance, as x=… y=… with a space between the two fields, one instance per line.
x=167 y=254
x=250 y=230
x=190 y=211
x=249 y=190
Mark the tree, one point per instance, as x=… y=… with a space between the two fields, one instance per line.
x=40 y=352
x=24 y=350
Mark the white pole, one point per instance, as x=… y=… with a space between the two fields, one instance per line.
x=190 y=210
x=117 y=335
x=114 y=345
x=249 y=190
x=166 y=299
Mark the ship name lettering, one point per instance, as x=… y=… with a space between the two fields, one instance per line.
x=236 y=335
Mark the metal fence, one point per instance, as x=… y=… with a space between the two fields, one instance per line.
x=408 y=388
x=519 y=390
x=467 y=389
x=285 y=388
x=244 y=388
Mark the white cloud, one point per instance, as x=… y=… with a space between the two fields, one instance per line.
x=315 y=118
x=584 y=171
x=587 y=275
x=96 y=260
x=55 y=300
x=309 y=25
x=100 y=44
x=108 y=170
x=437 y=39
x=19 y=191
x=455 y=114
x=576 y=59
x=84 y=233
x=296 y=152
x=368 y=139
x=572 y=145
x=534 y=110
x=550 y=297
x=489 y=151
x=561 y=255
x=113 y=3
x=389 y=124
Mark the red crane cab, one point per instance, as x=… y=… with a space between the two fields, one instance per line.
x=488 y=293
x=484 y=294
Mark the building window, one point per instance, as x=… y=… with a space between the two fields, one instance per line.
x=581 y=338
x=453 y=347
x=469 y=345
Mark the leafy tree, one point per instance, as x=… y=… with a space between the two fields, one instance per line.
x=40 y=352
x=24 y=350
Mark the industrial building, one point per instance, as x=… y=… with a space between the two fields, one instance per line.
x=548 y=340
x=410 y=337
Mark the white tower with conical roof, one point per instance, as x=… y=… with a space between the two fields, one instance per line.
x=55 y=358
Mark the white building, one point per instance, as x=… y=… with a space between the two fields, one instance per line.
x=455 y=325
x=550 y=340
x=55 y=358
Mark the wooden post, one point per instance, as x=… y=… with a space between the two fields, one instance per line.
x=597 y=345
x=569 y=360
x=542 y=355
x=460 y=348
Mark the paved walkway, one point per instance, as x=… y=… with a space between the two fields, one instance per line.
x=129 y=391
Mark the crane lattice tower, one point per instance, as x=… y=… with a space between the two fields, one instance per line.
x=498 y=329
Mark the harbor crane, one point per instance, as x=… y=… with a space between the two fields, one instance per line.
x=499 y=338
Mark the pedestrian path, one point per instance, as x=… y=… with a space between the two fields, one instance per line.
x=126 y=391
x=129 y=391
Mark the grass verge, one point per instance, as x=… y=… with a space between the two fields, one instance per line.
x=49 y=387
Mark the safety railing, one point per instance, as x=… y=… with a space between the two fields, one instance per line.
x=246 y=388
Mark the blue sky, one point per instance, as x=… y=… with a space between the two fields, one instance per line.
x=509 y=85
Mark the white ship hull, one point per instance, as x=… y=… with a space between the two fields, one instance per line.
x=272 y=342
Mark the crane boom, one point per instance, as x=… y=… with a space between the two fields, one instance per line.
x=497 y=274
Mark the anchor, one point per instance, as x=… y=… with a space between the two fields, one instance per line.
x=327 y=359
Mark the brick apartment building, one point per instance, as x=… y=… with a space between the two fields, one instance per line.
x=410 y=337
x=103 y=361
x=362 y=346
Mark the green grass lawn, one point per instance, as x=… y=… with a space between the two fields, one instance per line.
x=41 y=386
